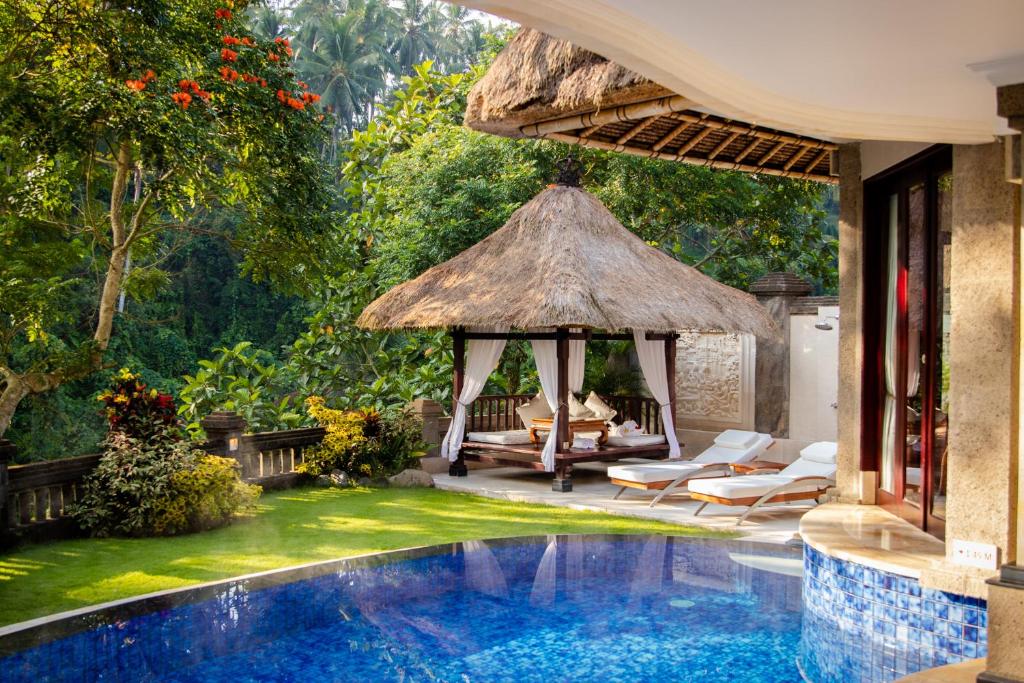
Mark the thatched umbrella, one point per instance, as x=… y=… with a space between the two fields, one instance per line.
x=542 y=87
x=563 y=260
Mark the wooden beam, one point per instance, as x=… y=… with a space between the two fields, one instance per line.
x=746 y=129
x=672 y=135
x=694 y=141
x=635 y=130
x=590 y=131
x=627 y=112
x=723 y=144
x=772 y=152
x=696 y=161
x=817 y=159
x=670 y=372
x=585 y=336
x=797 y=156
x=748 y=149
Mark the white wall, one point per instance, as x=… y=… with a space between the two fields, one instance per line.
x=814 y=377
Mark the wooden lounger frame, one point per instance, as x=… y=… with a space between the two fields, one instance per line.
x=782 y=493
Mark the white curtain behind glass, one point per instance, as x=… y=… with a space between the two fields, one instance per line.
x=885 y=474
x=652 y=362
x=482 y=357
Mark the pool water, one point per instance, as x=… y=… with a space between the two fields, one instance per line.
x=566 y=608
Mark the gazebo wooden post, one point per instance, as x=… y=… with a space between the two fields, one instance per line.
x=563 y=471
x=458 y=468
x=670 y=372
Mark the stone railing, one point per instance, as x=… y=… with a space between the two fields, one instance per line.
x=34 y=498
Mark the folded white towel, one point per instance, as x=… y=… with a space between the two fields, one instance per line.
x=627 y=428
x=584 y=442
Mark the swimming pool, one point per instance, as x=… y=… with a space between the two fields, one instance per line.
x=589 y=608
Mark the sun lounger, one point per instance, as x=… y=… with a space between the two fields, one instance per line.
x=806 y=479
x=731 y=446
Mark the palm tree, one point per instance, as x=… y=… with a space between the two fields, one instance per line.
x=268 y=22
x=416 y=33
x=347 y=65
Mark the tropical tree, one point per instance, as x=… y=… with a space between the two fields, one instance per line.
x=123 y=128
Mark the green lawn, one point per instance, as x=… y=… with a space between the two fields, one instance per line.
x=291 y=527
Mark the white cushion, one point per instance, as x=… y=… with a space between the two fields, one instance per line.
x=821 y=451
x=510 y=437
x=749 y=486
x=804 y=467
x=718 y=453
x=635 y=440
x=601 y=409
x=661 y=471
x=578 y=411
x=535 y=407
x=737 y=438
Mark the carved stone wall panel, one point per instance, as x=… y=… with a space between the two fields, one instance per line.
x=715 y=380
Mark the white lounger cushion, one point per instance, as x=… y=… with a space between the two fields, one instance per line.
x=748 y=486
x=661 y=471
x=821 y=451
x=634 y=440
x=737 y=438
x=512 y=437
x=718 y=453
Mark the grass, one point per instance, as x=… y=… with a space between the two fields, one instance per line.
x=290 y=527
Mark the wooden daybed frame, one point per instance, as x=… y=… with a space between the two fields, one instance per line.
x=498 y=413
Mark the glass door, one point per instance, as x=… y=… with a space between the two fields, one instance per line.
x=908 y=250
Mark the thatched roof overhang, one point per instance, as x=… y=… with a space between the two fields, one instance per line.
x=540 y=87
x=563 y=260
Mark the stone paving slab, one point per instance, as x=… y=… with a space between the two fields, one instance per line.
x=593 y=491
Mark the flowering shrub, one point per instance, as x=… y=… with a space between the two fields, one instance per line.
x=150 y=481
x=136 y=410
x=363 y=443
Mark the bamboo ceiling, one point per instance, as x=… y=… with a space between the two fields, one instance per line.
x=668 y=128
x=541 y=87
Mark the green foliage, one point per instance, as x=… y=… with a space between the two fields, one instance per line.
x=362 y=443
x=149 y=480
x=204 y=496
x=246 y=380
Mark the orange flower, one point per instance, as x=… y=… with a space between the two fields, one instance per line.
x=247 y=41
x=182 y=98
x=150 y=75
x=288 y=51
x=230 y=40
x=222 y=13
x=296 y=104
x=228 y=55
x=263 y=83
x=203 y=95
x=228 y=74
x=273 y=57
x=282 y=41
x=303 y=85
x=137 y=86
x=310 y=97
x=281 y=96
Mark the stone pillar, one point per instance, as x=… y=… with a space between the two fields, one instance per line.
x=7 y=452
x=776 y=292
x=224 y=432
x=430 y=412
x=854 y=486
x=1005 y=660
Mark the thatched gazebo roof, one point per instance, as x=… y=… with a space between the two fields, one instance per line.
x=542 y=87
x=563 y=260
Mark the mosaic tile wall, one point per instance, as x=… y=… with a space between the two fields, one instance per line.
x=867 y=625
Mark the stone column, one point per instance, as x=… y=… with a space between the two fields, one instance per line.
x=776 y=292
x=1006 y=593
x=430 y=412
x=7 y=452
x=853 y=485
x=224 y=432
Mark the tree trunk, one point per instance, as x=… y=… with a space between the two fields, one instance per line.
x=17 y=386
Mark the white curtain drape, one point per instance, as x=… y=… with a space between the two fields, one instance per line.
x=885 y=474
x=482 y=357
x=577 y=356
x=545 y=355
x=652 y=362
